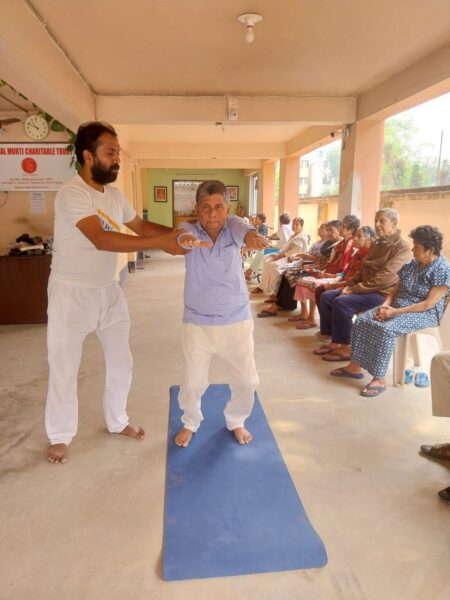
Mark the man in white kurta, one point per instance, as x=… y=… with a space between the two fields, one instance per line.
x=83 y=295
x=217 y=318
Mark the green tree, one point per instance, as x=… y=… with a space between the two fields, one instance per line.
x=399 y=133
x=406 y=164
x=417 y=176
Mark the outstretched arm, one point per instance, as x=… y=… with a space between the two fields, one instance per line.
x=188 y=241
x=113 y=241
x=146 y=228
x=254 y=241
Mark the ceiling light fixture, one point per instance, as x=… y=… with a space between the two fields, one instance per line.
x=249 y=20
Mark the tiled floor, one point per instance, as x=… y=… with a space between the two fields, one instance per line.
x=92 y=529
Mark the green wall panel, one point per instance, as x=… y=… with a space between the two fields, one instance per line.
x=162 y=212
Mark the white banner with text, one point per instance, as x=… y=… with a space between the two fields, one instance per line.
x=28 y=167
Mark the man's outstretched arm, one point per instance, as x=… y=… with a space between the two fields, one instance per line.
x=146 y=228
x=254 y=241
x=113 y=241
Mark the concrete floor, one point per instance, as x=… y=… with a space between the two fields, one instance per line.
x=92 y=529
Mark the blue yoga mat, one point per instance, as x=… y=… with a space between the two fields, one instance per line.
x=231 y=509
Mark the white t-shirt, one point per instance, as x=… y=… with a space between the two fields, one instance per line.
x=75 y=259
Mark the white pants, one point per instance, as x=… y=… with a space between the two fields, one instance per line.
x=73 y=313
x=233 y=343
x=440 y=384
x=271 y=275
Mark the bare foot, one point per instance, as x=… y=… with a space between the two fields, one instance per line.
x=183 y=437
x=242 y=435
x=135 y=432
x=58 y=454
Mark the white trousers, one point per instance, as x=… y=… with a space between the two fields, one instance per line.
x=440 y=384
x=271 y=275
x=73 y=313
x=234 y=344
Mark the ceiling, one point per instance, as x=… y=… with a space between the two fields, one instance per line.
x=191 y=47
x=323 y=50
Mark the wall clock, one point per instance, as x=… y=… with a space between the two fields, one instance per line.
x=36 y=127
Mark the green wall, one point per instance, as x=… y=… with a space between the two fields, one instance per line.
x=162 y=212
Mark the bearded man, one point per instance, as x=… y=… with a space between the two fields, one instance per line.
x=83 y=295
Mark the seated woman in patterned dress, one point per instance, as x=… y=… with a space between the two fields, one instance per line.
x=417 y=301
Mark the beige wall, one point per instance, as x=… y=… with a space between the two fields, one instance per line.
x=416 y=207
x=425 y=207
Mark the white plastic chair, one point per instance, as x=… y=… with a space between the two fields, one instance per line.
x=409 y=341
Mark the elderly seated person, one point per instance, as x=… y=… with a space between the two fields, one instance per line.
x=329 y=254
x=316 y=251
x=331 y=248
x=285 y=295
x=284 y=231
x=416 y=301
x=306 y=286
x=256 y=260
x=366 y=290
x=365 y=237
x=276 y=263
x=281 y=236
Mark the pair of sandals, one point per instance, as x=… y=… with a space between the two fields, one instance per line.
x=420 y=379
x=370 y=391
x=329 y=354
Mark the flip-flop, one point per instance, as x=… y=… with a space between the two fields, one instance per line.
x=439 y=451
x=445 y=494
x=296 y=318
x=409 y=376
x=421 y=380
x=378 y=389
x=266 y=313
x=335 y=357
x=323 y=350
x=306 y=325
x=342 y=372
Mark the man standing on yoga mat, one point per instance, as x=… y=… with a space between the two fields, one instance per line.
x=217 y=318
x=83 y=294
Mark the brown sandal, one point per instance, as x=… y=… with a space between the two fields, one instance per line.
x=439 y=451
x=336 y=356
x=323 y=350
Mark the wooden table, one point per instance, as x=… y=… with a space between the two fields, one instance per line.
x=23 y=289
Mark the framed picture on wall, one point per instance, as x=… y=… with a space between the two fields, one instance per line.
x=160 y=193
x=233 y=192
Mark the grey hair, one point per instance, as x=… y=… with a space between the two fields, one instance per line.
x=209 y=188
x=368 y=232
x=391 y=214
